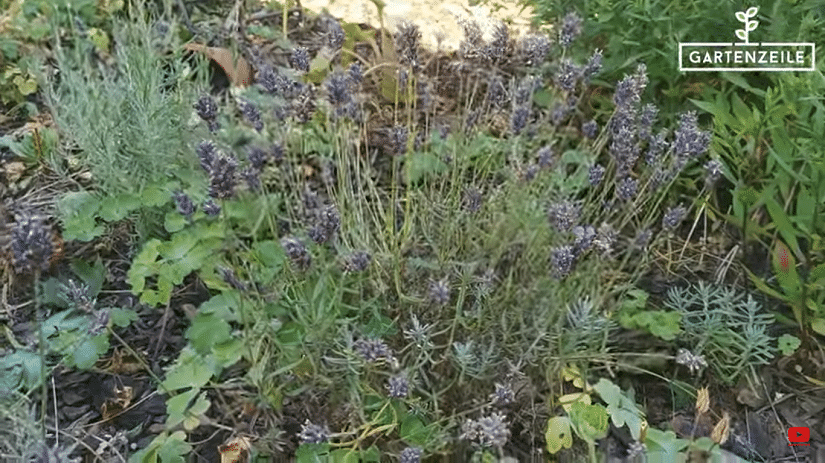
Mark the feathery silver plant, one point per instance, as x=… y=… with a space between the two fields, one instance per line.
x=439 y=292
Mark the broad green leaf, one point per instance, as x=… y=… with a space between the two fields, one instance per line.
x=558 y=434
x=190 y=370
x=228 y=353
x=787 y=344
x=174 y=448
x=154 y=195
x=122 y=317
x=664 y=443
x=207 y=330
x=589 y=421
x=818 y=325
x=176 y=248
x=89 y=351
x=413 y=430
x=174 y=222
x=118 y=207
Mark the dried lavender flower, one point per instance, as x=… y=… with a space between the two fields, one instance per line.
x=583 y=237
x=313 y=434
x=31 y=243
x=468 y=48
x=559 y=113
x=545 y=157
x=562 y=261
x=472 y=199
x=338 y=92
x=257 y=157
x=100 y=320
x=496 y=93
x=488 y=431
x=356 y=74
x=410 y=455
x=530 y=173
x=534 y=49
x=357 y=261
x=471 y=120
x=694 y=362
x=647 y=119
x=605 y=238
x=626 y=188
x=656 y=146
x=299 y=60
x=207 y=110
x=297 y=252
x=564 y=215
x=398 y=140
x=222 y=177
x=503 y=395
x=497 y=47
x=79 y=295
x=231 y=279
x=689 y=140
x=398 y=387
x=206 y=152
x=518 y=121
x=590 y=129
x=327 y=224
x=252 y=114
x=303 y=105
x=278 y=151
x=673 y=217
x=251 y=176
x=593 y=66
x=571 y=27
x=713 y=170
x=567 y=76
x=643 y=238
x=596 y=174
x=211 y=208
x=335 y=34
x=439 y=292
x=373 y=350
x=407 y=40
x=184 y=204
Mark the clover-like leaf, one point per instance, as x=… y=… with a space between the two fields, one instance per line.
x=558 y=434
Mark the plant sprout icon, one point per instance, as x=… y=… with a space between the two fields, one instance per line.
x=744 y=17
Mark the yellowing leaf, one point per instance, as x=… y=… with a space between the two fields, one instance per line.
x=558 y=434
x=568 y=400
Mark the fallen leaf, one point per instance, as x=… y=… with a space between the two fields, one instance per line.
x=235 y=451
x=238 y=71
x=14 y=170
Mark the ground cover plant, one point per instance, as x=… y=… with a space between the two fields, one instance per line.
x=374 y=253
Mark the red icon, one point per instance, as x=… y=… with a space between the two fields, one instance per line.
x=799 y=435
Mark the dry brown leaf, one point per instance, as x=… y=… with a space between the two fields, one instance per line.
x=702 y=401
x=114 y=407
x=235 y=451
x=721 y=431
x=14 y=170
x=238 y=71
